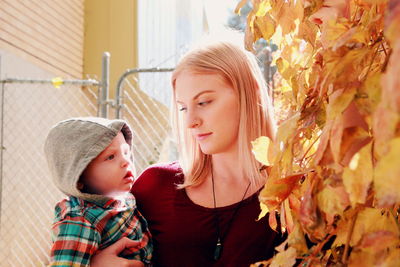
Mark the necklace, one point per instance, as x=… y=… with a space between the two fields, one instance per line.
x=218 y=247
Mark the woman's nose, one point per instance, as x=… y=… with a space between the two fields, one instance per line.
x=192 y=120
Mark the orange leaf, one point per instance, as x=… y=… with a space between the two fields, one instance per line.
x=310 y=218
x=386 y=176
x=286 y=258
x=357 y=178
x=277 y=190
x=239 y=6
x=384 y=123
x=368 y=221
x=272 y=220
x=333 y=201
x=296 y=239
x=379 y=240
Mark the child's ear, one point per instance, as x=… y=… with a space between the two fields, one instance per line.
x=80 y=186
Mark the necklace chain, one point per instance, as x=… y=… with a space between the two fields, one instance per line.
x=218 y=247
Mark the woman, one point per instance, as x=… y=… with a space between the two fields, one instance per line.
x=203 y=210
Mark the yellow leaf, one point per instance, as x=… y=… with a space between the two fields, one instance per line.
x=386 y=176
x=371 y=257
x=368 y=221
x=354 y=162
x=333 y=201
x=379 y=240
x=263 y=8
x=351 y=36
x=384 y=123
x=392 y=21
x=393 y=258
x=277 y=190
x=57 y=82
x=285 y=69
x=308 y=32
x=277 y=37
x=296 y=239
x=361 y=258
x=286 y=17
x=264 y=211
x=260 y=149
x=335 y=140
x=286 y=258
x=266 y=25
x=338 y=102
x=369 y=95
x=358 y=177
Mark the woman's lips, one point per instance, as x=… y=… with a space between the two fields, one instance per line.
x=200 y=137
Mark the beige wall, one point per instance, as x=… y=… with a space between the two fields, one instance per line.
x=47 y=33
x=110 y=26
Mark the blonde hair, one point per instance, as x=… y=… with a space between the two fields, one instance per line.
x=240 y=70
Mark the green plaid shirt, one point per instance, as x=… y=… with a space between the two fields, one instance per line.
x=81 y=228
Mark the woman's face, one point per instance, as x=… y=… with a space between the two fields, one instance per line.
x=210 y=110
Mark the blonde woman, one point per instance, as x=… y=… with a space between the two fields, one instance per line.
x=203 y=210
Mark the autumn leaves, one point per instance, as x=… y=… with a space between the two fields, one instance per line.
x=335 y=164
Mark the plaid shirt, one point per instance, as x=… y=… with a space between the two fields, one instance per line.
x=81 y=228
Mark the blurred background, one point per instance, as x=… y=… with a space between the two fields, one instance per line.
x=53 y=66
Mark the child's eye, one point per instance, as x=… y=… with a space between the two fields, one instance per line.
x=182 y=109
x=111 y=157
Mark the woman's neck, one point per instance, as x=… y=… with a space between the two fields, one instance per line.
x=226 y=166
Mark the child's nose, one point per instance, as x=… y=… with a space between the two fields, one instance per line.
x=125 y=161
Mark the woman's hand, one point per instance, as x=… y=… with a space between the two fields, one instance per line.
x=108 y=257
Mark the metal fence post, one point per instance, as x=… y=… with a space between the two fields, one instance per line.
x=105 y=84
x=118 y=92
x=1 y=142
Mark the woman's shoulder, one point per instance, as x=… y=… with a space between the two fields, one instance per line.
x=159 y=175
x=164 y=168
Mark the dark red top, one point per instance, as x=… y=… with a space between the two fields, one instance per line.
x=185 y=234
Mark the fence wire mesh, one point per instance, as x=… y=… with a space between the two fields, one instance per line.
x=28 y=110
x=146 y=98
x=27 y=193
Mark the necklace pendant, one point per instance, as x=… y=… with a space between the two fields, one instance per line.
x=218 y=250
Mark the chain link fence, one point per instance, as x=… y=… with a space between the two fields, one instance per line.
x=28 y=109
x=27 y=193
x=141 y=97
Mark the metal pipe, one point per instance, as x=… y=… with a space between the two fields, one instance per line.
x=50 y=81
x=1 y=144
x=118 y=91
x=105 y=84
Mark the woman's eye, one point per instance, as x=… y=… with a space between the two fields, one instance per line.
x=203 y=103
x=111 y=157
x=182 y=109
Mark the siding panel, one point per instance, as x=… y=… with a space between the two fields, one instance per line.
x=47 y=31
x=67 y=50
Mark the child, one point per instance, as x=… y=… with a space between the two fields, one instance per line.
x=91 y=162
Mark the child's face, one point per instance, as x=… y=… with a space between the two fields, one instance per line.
x=112 y=170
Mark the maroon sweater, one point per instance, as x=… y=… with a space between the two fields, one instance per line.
x=185 y=234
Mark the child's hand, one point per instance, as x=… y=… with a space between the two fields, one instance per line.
x=108 y=257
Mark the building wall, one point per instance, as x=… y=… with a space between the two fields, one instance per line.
x=110 y=26
x=167 y=29
x=39 y=39
x=47 y=33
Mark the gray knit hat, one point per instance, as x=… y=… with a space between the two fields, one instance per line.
x=72 y=144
